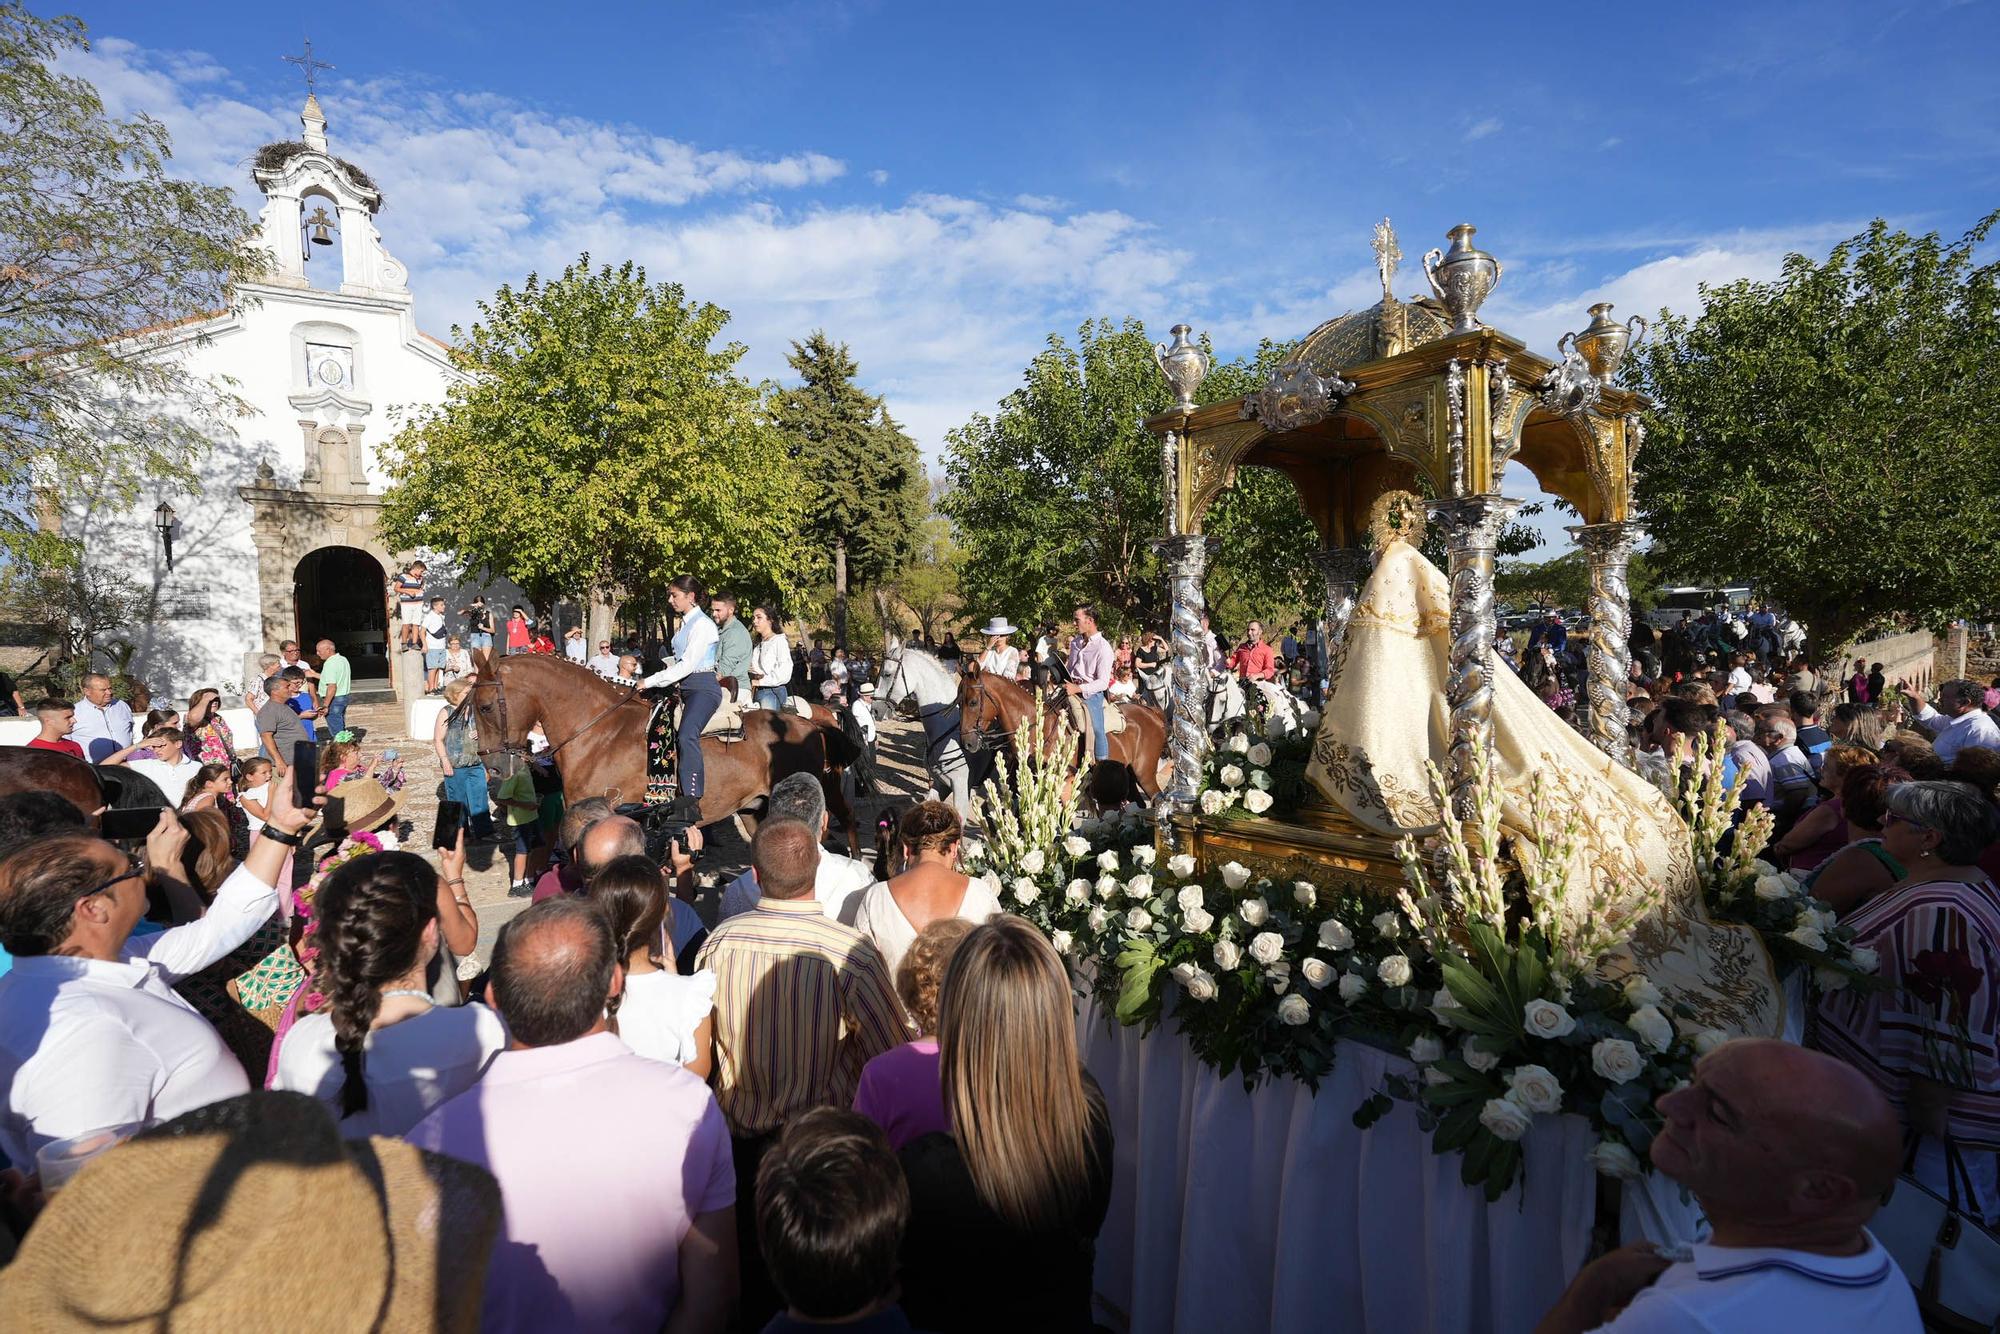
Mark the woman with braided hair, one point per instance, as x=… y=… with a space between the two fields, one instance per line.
x=660 y=1014
x=381 y=1053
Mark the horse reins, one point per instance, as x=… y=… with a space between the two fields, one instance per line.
x=507 y=745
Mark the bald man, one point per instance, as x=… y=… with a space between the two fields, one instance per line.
x=618 y=836
x=1789 y=1152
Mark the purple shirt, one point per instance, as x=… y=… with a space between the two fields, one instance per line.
x=1090 y=664
x=902 y=1091
x=604 y=1159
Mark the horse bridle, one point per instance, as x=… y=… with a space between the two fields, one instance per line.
x=508 y=747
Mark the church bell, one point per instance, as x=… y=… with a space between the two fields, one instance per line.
x=319 y=224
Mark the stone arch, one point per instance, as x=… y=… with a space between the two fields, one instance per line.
x=337 y=595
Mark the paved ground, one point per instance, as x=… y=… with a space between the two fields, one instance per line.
x=383 y=727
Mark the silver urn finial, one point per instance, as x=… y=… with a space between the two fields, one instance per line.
x=1604 y=342
x=1184 y=365
x=1462 y=277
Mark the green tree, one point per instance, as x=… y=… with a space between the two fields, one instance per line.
x=1834 y=434
x=928 y=587
x=602 y=443
x=1563 y=581
x=862 y=476
x=98 y=241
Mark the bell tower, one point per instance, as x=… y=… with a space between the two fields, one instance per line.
x=301 y=181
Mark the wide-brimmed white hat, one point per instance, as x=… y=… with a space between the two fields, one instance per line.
x=998 y=626
x=867 y=687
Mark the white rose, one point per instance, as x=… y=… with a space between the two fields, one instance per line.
x=1256 y=802
x=1279 y=975
x=1830 y=979
x=1143 y=855
x=1482 y=1061
x=1352 y=985
x=1228 y=955
x=1139 y=887
x=1762 y=867
x=1239 y=744
x=1099 y=919
x=1267 y=947
x=1231 y=776
x=1433 y=1077
x=1259 y=782
x=1808 y=935
x=1295 y=1010
x=1235 y=874
x=1546 y=1019
x=1139 y=919
x=971 y=851
x=1823 y=919
x=1259 y=755
x=1026 y=890
x=1197 y=981
x=1388 y=925
x=1334 y=935
x=1772 y=887
x=1444 y=1005
x=1708 y=1040
x=1254 y=912
x=1535 y=1088
x=1317 y=972
x=1394 y=971
x=1189 y=898
x=1107 y=860
x=1213 y=802
x=1061 y=940
x=1197 y=921
x=1614 y=1160
x=1505 y=1118
x=1076 y=847
x=1866 y=959
x=1309 y=719
x=1181 y=864
x=1304 y=894
x=1078 y=892
x=992 y=882
x=1032 y=863
x=1107 y=886
x=1426 y=1050
x=1617 y=1060
x=1639 y=990
x=1652 y=1026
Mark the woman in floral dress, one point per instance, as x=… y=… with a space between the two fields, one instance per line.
x=207 y=737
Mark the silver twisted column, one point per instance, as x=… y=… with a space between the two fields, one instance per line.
x=1607 y=547
x=1472 y=527
x=1187 y=558
x=1344 y=569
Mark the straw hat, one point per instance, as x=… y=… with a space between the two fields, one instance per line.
x=998 y=626
x=361 y=803
x=250 y=1214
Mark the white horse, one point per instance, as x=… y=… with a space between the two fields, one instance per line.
x=910 y=675
x=1228 y=707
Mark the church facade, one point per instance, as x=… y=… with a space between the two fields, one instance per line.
x=280 y=540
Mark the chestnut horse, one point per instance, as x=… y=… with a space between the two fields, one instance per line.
x=597 y=732
x=994 y=708
x=88 y=787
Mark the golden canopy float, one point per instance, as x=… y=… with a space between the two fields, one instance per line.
x=1420 y=395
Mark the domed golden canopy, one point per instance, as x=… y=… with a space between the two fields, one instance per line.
x=1360 y=336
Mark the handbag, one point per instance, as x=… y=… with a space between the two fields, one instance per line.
x=1949 y=1256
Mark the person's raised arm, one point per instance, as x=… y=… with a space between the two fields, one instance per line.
x=458 y=924
x=437 y=744
x=246 y=899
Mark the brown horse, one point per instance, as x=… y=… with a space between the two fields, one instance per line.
x=597 y=733
x=993 y=708
x=87 y=787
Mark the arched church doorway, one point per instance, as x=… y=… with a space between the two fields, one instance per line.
x=339 y=594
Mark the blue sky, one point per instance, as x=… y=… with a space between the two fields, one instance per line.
x=941 y=187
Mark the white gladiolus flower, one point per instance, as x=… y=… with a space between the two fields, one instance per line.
x=1256 y=801
x=1026 y=890
x=1639 y=990
x=1426 y=1050
x=1295 y=1010
x=1107 y=886
x=1267 y=947
x=1235 y=875
x=1181 y=864
x=1197 y=921
x=1394 y=971
x=1139 y=886
x=1614 y=1160
x=1304 y=894
x=1535 y=1088
x=1143 y=855
x=1482 y=1061
x=1334 y=935
x=1388 y=925
x=1352 y=986
x=1032 y=863
x=1708 y=1040
x=1259 y=755
x=1076 y=846
x=1189 y=898
x=1228 y=955
x=1239 y=744
x=1213 y=802
x=1546 y=1019
x=1254 y=912
x=1652 y=1026
x=1231 y=776
x=1099 y=919
x=1078 y=892
x=1061 y=940
x=1318 y=973
x=1107 y=860
x=1866 y=959
x=1139 y=919
x=1505 y=1118
x=1616 y=1059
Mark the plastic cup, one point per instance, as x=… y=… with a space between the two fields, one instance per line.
x=59 y=1160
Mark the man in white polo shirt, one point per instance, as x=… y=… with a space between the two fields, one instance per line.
x=1959 y=720
x=1789 y=1153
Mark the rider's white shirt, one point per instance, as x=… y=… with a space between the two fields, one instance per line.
x=1001 y=662
x=771 y=662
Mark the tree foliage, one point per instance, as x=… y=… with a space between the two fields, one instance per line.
x=602 y=443
x=1834 y=434
x=928 y=587
x=1564 y=581
x=73 y=609
x=97 y=241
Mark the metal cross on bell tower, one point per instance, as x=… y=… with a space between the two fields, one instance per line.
x=308 y=66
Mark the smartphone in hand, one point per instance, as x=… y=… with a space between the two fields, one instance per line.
x=305 y=774
x=132 y=822
x=451 y=817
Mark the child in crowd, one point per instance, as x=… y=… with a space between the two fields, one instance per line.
x=57 y=718
x=342 y=760
x=207 y=788
x=831 y=1208
x=520 y=804
x=254 y=790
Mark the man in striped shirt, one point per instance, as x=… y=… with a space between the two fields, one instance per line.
x=801 y=1004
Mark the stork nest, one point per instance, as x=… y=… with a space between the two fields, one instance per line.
x=273 y=156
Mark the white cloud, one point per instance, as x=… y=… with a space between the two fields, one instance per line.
x=878 y=176
x=1480 y=129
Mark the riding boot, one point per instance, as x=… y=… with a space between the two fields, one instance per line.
x=687 y=809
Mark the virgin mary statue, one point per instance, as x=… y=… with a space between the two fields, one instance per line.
x=1387 y=716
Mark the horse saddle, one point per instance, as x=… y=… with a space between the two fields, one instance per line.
x=728 y=720
x=1114 y=717
x=1079 y=716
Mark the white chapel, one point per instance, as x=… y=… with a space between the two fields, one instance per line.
x=281 y=542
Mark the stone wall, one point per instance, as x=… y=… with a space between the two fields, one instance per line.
x=1912 y=657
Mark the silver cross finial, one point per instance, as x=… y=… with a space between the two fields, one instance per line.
x=307 y=64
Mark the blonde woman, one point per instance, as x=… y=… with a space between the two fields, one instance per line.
x=891 y=912
x=1021 y=1183
x=456 y=743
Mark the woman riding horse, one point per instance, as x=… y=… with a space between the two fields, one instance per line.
x=701 y=694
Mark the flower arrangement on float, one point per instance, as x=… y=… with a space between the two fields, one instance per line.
x=1267 y=777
